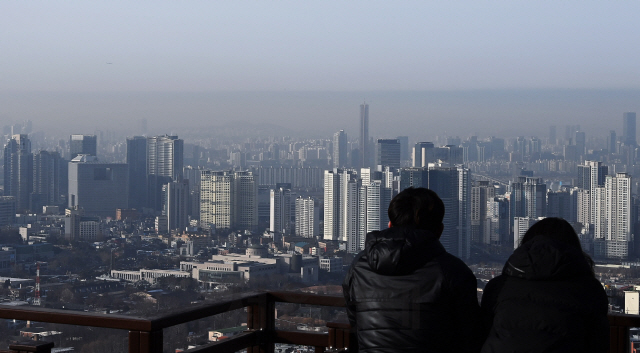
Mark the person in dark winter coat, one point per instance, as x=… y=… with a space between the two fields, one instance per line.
x=404 y=292
x=547 y=298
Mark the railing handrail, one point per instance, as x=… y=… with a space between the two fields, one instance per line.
x=145 y=334
x=627 y=320
x=124 y=322
x=69 y=317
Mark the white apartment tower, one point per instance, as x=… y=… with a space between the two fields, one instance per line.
x=165 y=156
x=618 y=215
x=228 y=199
x=307 y=217
x=216 y=199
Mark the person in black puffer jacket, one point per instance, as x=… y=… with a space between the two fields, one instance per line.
x=404 y=292
x=547 y=298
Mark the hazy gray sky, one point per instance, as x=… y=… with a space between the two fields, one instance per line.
x=317 y=45
x=99 y=47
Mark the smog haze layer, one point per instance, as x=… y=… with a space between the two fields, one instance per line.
x=498 y=68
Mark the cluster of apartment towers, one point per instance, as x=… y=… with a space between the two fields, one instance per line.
x=355 y=199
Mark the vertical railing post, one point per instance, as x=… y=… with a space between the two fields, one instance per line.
x=261 y=317
x=145 y=342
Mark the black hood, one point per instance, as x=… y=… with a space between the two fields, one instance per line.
x=543 y=258
x=399 y=251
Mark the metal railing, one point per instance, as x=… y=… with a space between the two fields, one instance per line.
x=145 y=335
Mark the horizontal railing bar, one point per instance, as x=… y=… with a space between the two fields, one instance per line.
x=305 y=298
x=302 y=338
x=624 y=320
x=204 y=311
x=231 y=344
x=79 y=318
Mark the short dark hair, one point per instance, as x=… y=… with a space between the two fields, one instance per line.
x=417 y=207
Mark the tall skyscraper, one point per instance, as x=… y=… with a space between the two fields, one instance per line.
x=176 y=204
x=46 y=180
x=165 y=156
x=7 y=210
x=581 y=141
x=629 y=128
x=246 y=200
x=527 y=198
x=482 y=195
x=137 y=162
x=82 y=144
x=339 y=203
x=618 y=216
x=591 y=175
x=339 y=149
x=454 y=188
x=365 y=149
x=612 y=140
x=280 y=209
x=98 y=188
x=416 y=177
x=423 y=154
x=552 y=135
x=388 y=153
x=370 y=208
x=18 y=170
x=404 y=148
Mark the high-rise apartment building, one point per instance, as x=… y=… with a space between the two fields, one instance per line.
x=246 y=199
x=482 y=196
x=280 y=209
x=335 y=202
x=561 y=204
x=618 y=215
x=228 y=199
x=388 y=153
x=98 y=188
x=137 y=162
x=365 y=149
x=307 y=217
x=176 y=204
x=216 y=199
x=18 y=170
x=165 y=155
x=453 y=185
x=82 y=144
x=46 y=180
x=370 y=208
x=416 y=177
x=629 y=128
x=591 y=175
x=340 y=149
x=498 y=225
x=7 y=210
x=528 y=197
